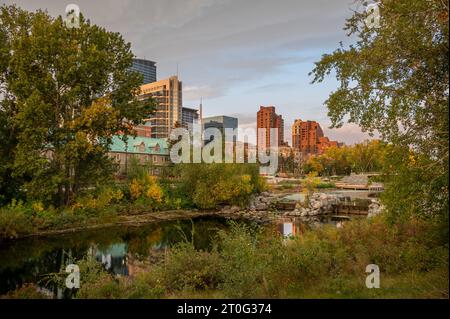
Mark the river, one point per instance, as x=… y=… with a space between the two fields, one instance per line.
x=120 y=249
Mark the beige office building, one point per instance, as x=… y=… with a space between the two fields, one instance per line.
x=168 y=96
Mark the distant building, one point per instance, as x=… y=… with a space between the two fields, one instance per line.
x=220 y=122
x=189 y=117
x=308 y=138
x=146 y=68
x=151 y=151
x=167 y=94
x=267 y=119
x=324 y=143
x=143 y=130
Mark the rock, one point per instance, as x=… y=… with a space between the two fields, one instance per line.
x=316 y=205
x=374 y=209
x=234 y=209
x=314 y=212
x=261 y=206
x=316 y=196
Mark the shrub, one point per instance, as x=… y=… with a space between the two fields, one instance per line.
x=92 y=204
x=209 y=185
x=146 y=190
x=246 y=262
x=188 y=269
x=27 y=291
x=15 y=220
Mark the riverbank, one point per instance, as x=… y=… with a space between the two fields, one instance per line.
x=244 y=262
x=262 y=208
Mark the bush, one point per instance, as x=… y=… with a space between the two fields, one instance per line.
x=209 y=185
x=188 y=269
x=247 y=259
x=27 y=291
x=146 y=190
x=15 y=220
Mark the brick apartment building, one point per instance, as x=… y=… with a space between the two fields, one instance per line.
x=308 y=138
x=267 y=118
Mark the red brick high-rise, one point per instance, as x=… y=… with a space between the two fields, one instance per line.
x=305 y=136
x=308 y=138
x=267 y=118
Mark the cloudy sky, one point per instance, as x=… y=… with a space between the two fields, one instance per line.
x=236 y=54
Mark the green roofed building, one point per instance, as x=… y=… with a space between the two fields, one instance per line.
x=153 y=152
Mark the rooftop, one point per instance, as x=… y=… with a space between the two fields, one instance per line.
x=141 y=145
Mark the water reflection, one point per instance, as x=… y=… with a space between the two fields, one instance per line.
x=296 y=226
x=121 y=250
x=114 y=258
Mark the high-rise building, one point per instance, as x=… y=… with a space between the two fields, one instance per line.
x=143 y=130
x=220 y=122
x=267 y=119
x=189 y=117
x=168 y=97
x=324 y=143
x=308 y=138
x=146 y=68
x=305 y=136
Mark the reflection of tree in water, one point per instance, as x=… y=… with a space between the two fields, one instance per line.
x=204 y=231
x=25 y=261
x=114 y=258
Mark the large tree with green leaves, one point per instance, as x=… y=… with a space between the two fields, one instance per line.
x=66 y=92
x=395 y=80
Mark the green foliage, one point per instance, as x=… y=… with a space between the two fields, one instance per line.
x=415 y=187
x=330 y=262
x=15 y=221
x=27 y=291
x=395 y=80
x=247 y=258
x=190 y=269
x=96 y=203
x=368 y=156
x=209 y=185
x=66 y=93
x=147 y=191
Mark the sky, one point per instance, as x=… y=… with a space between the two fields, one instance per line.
x=235 y=54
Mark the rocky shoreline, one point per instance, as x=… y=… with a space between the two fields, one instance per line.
x=265 y=207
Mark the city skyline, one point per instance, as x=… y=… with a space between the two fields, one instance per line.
x=235 y=60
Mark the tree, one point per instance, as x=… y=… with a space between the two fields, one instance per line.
x=66 y=92
x=395 y=80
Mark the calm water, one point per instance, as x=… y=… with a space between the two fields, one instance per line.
x=120 y=249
